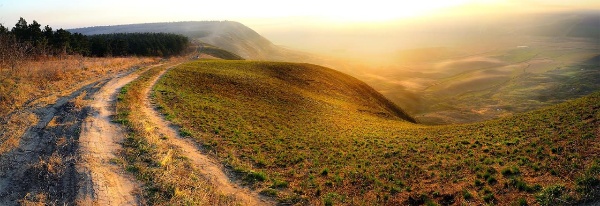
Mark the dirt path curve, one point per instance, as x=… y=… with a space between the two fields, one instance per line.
x=209 y=167
x=99 y=142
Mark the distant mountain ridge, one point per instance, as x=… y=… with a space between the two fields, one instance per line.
x=229 y=35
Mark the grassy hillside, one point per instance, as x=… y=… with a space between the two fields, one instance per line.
x=228 y=35
x=217 y=52
x=308 y=134
x=168 y=176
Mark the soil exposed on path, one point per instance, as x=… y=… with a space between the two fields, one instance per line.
x=67 y=157
x=208 y=167
x=64 y=159
x=42 y=168
x=105 y=183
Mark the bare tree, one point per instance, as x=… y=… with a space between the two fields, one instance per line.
x=12 y=53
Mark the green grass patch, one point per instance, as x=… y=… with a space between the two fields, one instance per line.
x=168 y=177
x=324 y=132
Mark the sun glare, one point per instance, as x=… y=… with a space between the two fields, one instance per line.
x=385 y=10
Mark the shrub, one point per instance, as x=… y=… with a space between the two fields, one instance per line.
x=588 y=185
x=550 y=195
x=507 y=172
x=467 y=195
x=256 y=176
x=279 y=184
x=184 y=133
x=269 y=192
x=489 y=198
x=478 y=183
x=522 y=185
x=324 y=172
x=491 y=180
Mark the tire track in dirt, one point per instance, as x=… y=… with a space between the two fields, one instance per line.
x=42 y=167
x=106 y=183
x=207 y=166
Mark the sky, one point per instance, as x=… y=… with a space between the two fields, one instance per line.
x=83 y=13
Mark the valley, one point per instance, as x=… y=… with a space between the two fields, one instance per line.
x=455 y=86
x=477 y=103
x=320 y=142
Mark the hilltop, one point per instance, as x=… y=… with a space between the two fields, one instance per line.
x=228 y=35
x=482 y=76
x=307 y=134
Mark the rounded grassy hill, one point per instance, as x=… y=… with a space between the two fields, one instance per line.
x=311 y=135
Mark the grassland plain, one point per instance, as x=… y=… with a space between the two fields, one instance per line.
x=310 y=135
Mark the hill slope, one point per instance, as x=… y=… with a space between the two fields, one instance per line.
x=305 y=133
x=216 y=52
x=228 y=35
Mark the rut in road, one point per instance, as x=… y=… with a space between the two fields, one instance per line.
x=207 y=166
x=42 y=167
x=64 y=158
x=105 y=183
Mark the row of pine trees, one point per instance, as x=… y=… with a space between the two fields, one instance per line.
x=35 y=41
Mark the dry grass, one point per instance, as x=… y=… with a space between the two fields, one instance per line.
x=36 y=79
x=79 y=101
x=38 y=199
x=42 y=82
x=53 y=164
x=13 y=128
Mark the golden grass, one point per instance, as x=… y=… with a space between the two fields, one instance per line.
x=13 y=128
x=36 y=79
x=38 y=199
x=42 y=82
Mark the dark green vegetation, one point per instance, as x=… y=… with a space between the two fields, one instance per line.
x=228 y=35
x=140 y=44
x=32 y=40
x=304 y=133
x=217 y=52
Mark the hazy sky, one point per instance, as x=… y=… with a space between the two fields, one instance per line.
x=82 y=13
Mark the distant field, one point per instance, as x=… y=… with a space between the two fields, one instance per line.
x=307 y=134
x=460 y=85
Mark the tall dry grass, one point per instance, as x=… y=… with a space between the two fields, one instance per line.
x=37 y=83
x=35 y=79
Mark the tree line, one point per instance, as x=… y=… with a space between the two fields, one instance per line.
x=33 y=41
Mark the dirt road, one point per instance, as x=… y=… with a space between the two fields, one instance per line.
x=208 y=167
x=42 y=167
x=65 y=158
x=105 y=183
x=69 y=156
